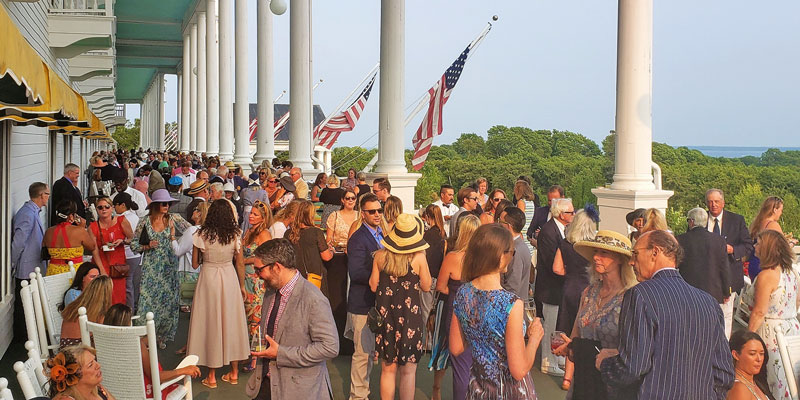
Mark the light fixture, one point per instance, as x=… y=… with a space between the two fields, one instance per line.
x=278 y=7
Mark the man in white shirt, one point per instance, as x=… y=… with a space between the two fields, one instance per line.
x=121 y=186
x=445 y=203
x=187 y=175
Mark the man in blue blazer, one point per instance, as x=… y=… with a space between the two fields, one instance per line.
x=360 y=299
x=542 y=214
x=26 y=247
x=671 y=339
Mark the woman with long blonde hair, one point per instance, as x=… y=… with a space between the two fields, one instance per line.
x=96 y=298
x=399 y=273
x=260 y=219
x=392 y=209
x=447 y=284
x=767 y=218
x=656 y=221
x=283 y=219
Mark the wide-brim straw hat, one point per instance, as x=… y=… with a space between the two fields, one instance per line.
x=606 y=240
x=406 y=235
x=197 y=187
x=288 y=184
x=161 y=196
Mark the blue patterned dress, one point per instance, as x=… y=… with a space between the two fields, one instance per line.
x=160 y=292
x=483 y=315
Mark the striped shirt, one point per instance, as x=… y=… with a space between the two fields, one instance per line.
x=286 y=291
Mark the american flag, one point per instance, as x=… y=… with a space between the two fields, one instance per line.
x=432 y=123
x=279 y=124
x=344 y=121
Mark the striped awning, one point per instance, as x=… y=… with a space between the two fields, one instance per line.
x=31 y=93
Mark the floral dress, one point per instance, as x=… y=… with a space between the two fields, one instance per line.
x=160 y=292
x=483 y=315
x=397 y=300
x=255 y=292
x=782 y=314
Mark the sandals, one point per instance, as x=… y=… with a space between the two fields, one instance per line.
x=566 y=383
x=209 y=385
x=250 y=366
x=227 y=378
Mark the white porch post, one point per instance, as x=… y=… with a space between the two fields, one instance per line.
x=300 y=84
x=241 y=110
x=142 y=126
x=193 y=88
x=265 y=142
x=185 y=93
x=225 y=96
x=201 y=83
x=633 y=185
x=391 y=159
x=160 y=133
x=212 y=80
x=179 y=110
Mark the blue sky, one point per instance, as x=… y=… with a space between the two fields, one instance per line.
x=724 y=72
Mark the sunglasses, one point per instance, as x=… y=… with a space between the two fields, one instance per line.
x=374 y=211
x=473 y=198
x=496 y=199
x=103 y=207
x=263 y=174
x=349 y=198
x=163 y=205
x=273 y=181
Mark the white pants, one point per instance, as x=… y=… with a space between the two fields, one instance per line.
x=550 y=361
x=727 y=313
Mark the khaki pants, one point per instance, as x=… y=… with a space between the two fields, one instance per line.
x=361 y=364
x=727 y=313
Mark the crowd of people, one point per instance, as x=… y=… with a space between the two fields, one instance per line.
x=281 y=275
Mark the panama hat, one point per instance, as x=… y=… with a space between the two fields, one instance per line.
x=637 y=213
x=230 y=164
x=228 y=187
x=197 y=186
x=406 y=236
x=288 y=184
x=606 y=240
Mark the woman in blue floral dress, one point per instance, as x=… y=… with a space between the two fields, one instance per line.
x=490 y=320
x=159 y=291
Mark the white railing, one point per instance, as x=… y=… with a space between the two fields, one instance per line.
x=119 y=110
x=171 y=140
x=82 y=7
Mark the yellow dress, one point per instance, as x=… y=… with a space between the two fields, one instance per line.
x=59 y=258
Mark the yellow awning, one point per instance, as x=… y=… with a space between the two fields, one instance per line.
x=19 y=64
x=51 y=101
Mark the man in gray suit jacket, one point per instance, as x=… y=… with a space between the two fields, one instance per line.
x=516 y=279
x=293 y=364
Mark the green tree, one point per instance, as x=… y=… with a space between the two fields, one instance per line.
x=127 y=136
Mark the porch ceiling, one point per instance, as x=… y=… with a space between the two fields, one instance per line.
x=149 y=40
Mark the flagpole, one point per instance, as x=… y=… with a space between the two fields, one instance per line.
x=279 y=97
x=339 y=107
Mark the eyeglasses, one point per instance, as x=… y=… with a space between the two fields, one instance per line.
x=45 y=193
x=374 y=211
x=635 y=252
x=512 y=251
x=349 y=198
x=568 y=212
x=103 y=207
x=273 y=181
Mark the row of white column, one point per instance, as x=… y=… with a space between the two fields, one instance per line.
x=151 y=120
x=212 y=122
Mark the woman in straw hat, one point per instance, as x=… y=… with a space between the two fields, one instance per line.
x=596 y=325
x=399 y=272
x=489 y=321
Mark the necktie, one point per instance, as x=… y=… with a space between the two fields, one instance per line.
x=716 y=226
x=273 y=315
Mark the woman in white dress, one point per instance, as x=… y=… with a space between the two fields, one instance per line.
x=773 y=303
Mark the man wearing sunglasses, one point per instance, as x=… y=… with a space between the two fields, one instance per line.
x=445 y=203
x=468 y=199
x=364 y=242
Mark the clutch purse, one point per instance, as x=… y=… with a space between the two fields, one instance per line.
x=144 y=238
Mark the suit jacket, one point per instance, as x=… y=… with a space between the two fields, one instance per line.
x=671 y=343
x=538 y=220
x=360 y=248
x=64 y=190
x=705 y=262
x=517 y=276
x=155 y=182
x=307 y=338
x=549 y=286
x=736 y=234
x=26 y=241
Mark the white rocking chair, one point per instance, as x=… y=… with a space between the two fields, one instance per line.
x=51 y=293
x=119 y=353
x=34 y=317
x=789 y=347
x=30 y=373
x=5 y=392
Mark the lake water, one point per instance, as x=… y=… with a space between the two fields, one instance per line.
x=735 y=151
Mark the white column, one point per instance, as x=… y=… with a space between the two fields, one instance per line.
x=300 y=84
x=179 y=113
x=241 y=110
x=225 y=95
x=265 y=142
x=142 y=119
x=201 y=82
x=390 y=129
x=193 y=88
x=160 y=110
x=633 y=179
x=185 y=80
x=632 y=168
x=212 y=80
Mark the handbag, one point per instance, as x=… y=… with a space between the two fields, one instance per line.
x=144 y=238
x=375 y=321
x=115 y=271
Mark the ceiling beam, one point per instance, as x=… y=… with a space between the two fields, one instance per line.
x=172 y=22
x=139 y=42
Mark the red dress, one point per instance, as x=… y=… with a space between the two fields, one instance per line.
x=114 y=257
